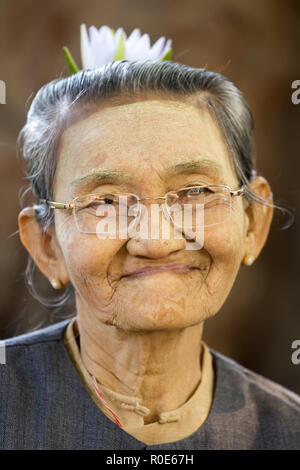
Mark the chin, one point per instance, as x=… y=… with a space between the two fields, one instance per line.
x=151 y=319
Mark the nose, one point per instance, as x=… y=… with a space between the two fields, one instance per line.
x=154 y=235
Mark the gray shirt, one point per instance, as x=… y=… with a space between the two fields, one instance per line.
x=44 y=405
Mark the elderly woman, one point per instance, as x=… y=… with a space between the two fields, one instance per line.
x=130 y=370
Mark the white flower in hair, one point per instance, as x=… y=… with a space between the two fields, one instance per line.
x=106 y=45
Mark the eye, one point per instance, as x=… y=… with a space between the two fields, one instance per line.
x=199 y=190
x=98 y=200
x=106 y=199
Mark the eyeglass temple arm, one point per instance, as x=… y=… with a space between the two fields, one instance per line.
x=57 y=205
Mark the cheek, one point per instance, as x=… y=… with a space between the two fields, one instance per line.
x=87 y=258
x=89 y=264
x=224 y=243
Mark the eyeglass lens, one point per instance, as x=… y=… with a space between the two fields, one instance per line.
x=187 y=208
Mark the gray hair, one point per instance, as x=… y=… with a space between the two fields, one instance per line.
x=50 y=109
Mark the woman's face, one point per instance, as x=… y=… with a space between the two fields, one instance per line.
x=144 y=139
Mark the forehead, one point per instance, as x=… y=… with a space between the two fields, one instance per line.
x=147 y=118
x=139 y=136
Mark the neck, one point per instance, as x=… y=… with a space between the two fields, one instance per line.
x=161 y=367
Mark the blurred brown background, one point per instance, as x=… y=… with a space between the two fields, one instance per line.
x=257 y=45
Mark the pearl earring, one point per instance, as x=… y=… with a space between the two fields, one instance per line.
x=248 y=260
x=56 y=283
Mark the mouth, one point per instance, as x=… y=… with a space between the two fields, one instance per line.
x=150 y=271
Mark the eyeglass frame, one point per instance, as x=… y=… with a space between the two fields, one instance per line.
x=60 y=205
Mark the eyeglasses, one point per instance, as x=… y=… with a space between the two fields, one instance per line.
x=190 y=207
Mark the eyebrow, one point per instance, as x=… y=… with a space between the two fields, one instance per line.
x=210 y=167
x=103 y=175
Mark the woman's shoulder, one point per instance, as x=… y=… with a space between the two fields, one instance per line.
x=21 y=353
x=239 y=383
x=254 y=412
x=49 y=333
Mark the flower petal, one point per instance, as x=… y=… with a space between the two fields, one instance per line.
x=117 y=36
x=103 y=47
x=107 y=33
x=166 y=48
x=120 y=51
x=167 y=55
x=140 y=50
x=157 y=48
x=86 y=54
x=133 y=38
x=94 y=34
x=145 y=41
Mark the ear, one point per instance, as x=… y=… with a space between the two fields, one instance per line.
x=259 y=217
x=42 y=246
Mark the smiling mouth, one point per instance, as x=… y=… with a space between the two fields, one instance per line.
x=147 y=272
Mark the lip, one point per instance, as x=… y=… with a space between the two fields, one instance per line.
x=180 y=269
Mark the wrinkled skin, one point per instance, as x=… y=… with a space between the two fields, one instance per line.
x=142 y=336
